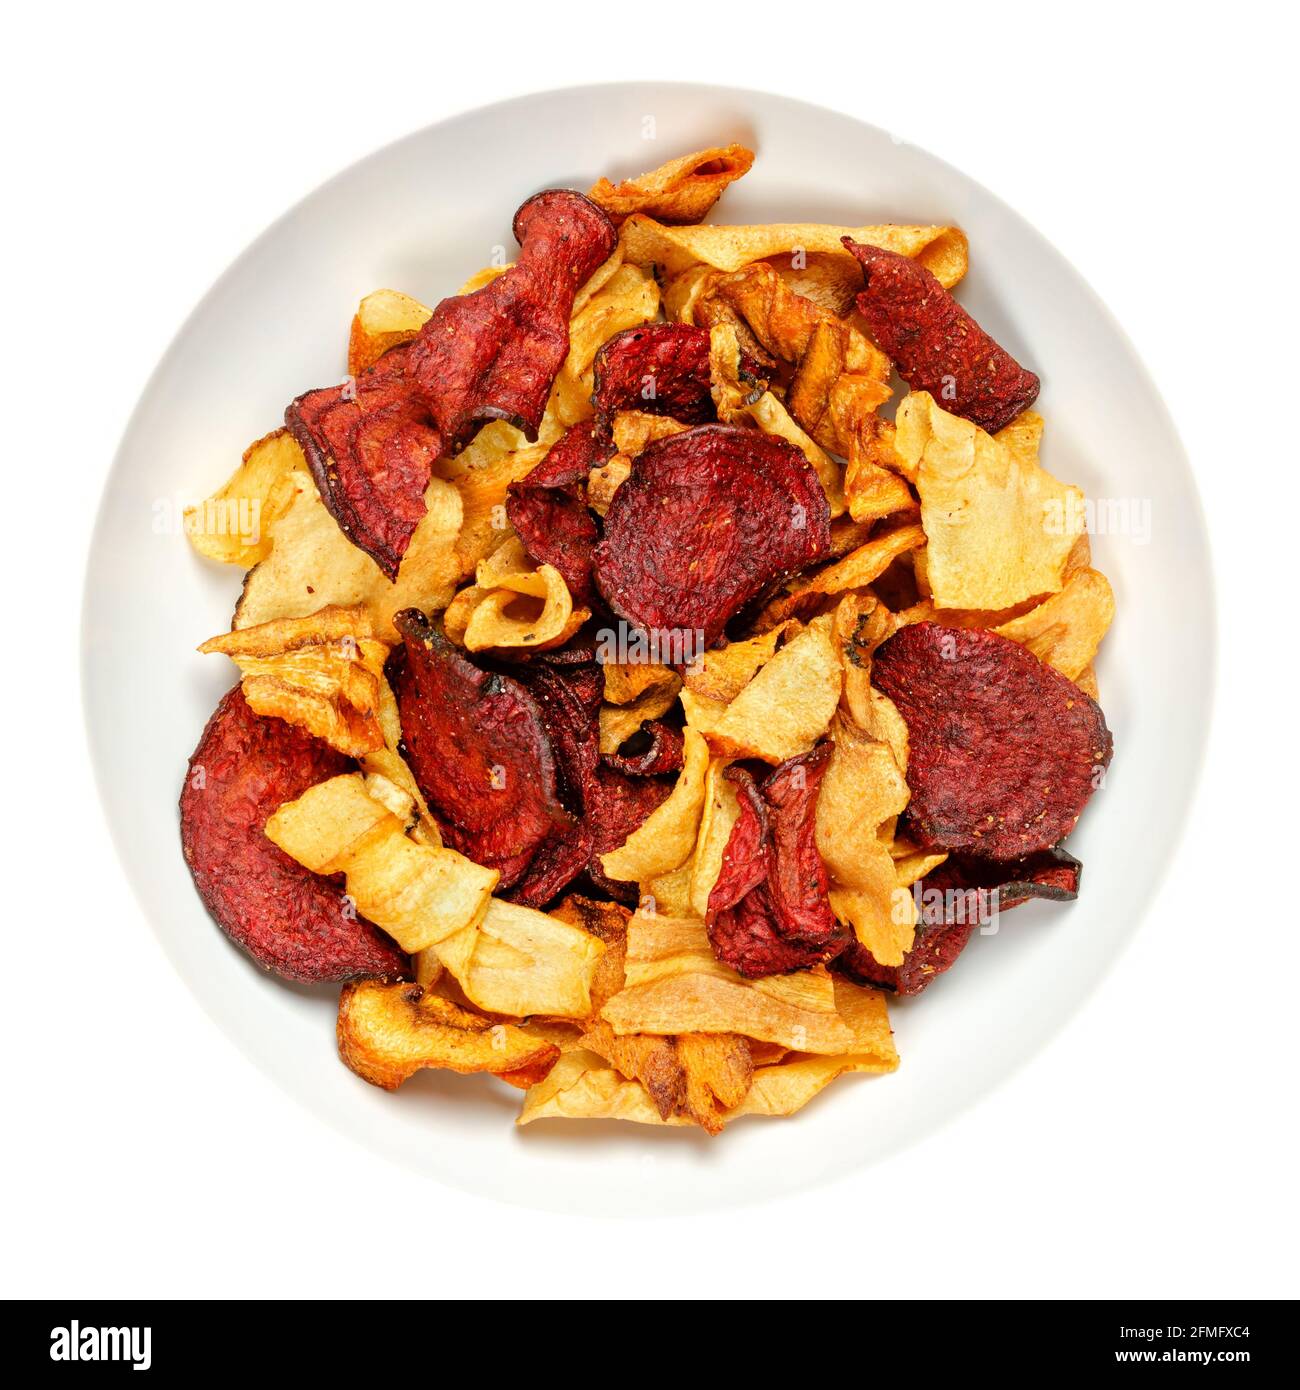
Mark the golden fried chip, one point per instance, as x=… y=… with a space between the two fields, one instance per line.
x=483 y=488
x=388 y=762
x=619 y=722
x=388 y=1032
x=517 y=961
x=420 y=895
x=506 y=617
x=321 y=673
x=634 y=429
x=674 y=984
x=683 y=190
x=784 y=710
x=855 y=571
x=718 y=1072
x=384 y=319
x=722 y=673
x=312 y=564
x=605 y=481
x=666 y=837
x=1066 y=629
x=670 y=893
x=607 y=922
x=942 y=250
x=862 y=790
x=860 y=624
x=721 y=811
x=1000 y=529
x=651 y=1060
x=626 y=682
x=233 y=525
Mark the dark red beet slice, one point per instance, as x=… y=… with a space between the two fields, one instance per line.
x=936 y=345
x=707 y=521
x=569 y=700
x=493 y=354
x=616 y=806
x=961 y=894
x=657 y=748
x=548 y=509
x=478 y=748
x=659 y=369
x=290 y=920
x=371 y=447
x=768 y=912
x=1005 y=751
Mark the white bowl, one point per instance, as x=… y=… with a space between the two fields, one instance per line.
x=420 y=216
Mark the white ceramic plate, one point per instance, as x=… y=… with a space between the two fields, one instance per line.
x=420 y=216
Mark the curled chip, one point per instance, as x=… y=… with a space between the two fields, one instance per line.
x=665 y=839
x=683 y=190
x=656 y=748
x=1005 y=752
x=955 y=898
x=290 y=920
x=934 y=342
x=769 y=910
x=371 y=448
x=659 y=369
x=233 y=525
x=478 y=747
x=493 y=354
x=707 y=522
x=548 y=509
x=388 y=1032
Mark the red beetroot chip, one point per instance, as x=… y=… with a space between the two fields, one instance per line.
x=707 y=521
x=661 y=369
x=1005 y=751
x=548 y=509
x=745 y=938
x=371 y=447
x=960 y=895
x=478 y=748
x=616 y=806
x=493 y=354
x=290 y=920
x=936 y=345
x=569 y=699
x=656 y=749
x=768 y=912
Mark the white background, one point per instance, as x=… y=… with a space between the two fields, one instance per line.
x=1150 y=1150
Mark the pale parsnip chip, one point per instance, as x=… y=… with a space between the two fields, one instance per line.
x=863 y=790
x=682 y=190
x=505 y=618
x=605 y=481
x=517 y=961
x=233 y=525
x=418 y=894
x=664 y=840
x=942 y=250
x=674 y=984
x=1066 y=629
x=387 y=762
x=312 y=564
x=669 y=893
x=626 y=682
x=784 y=710
x=384 y=319
x=1000 y=529
x=321 y=673
x=388 y=1032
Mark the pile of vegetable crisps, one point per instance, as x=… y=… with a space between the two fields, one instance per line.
x=652 y=657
